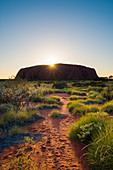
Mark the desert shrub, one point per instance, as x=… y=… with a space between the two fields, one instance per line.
x=107 y=93
x=94 y=108
x=47 y=106
x=80 y=109
x=100 y=99
x=60 y=85
x=14 y=92
x=75 y=97
x=78 y=93
x=108 y=107
x=97 y=89
x=36 y=98
x=16 y=130
x=100 y=151
x=91 y=101
x=5 y=107
x=92 y=94
x=52 y=100
x=86 y=127
x=100 y=114
x=77 y=107
x=19 y=117
x=54 y=113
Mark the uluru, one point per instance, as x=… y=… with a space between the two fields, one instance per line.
x=57 y=72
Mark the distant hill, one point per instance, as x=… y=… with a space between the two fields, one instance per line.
x=57 y=72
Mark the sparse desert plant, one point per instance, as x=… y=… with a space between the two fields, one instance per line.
x=52 y=100
x=19 y=117
x=47 y=106
x=5 y=107
x=15 y=92
x=16 y=130
x=77 y=107
x=94 y=108
x=92 y=94
x=107 y=93
x=54 y=113
x=78 y=93
x=75 y=97
x=60 y=85
x=100 y=151
x=22 y=159
x=108 y=107
x=87 y=126
x=100 y=114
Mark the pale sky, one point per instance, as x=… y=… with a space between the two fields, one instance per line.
x=34 y=32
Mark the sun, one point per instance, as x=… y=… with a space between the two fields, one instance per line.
x=52 y=64
x=51 y=61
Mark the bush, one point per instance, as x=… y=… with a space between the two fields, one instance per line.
x=19 y=117
x=60 y=85
x=100 y=114
x=78 y=93
x=107 y=93
x=47 y=106
x=52 y=100
x=94 y=108
x=92 y=94
x=5 y=108
x=77 y=108
x=36 y=98
x=75 y=97
x=16 y=130
x=100 y=151
x=54 y=113
x=86 y=127
x=108 y=107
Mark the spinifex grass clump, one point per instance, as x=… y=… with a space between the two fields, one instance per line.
x=108 y=107
x=75 y=97
x=60 y=85
x=78 y=93
x=5 y=107
x=47 y=106
x=52 y=100
x=16 y=130
x=54 y=113
x=18 y=117
x=107 y=93
x=77 y=107
x=86 y=127
x=92 y=94
x=100 y=151
x=94 y=108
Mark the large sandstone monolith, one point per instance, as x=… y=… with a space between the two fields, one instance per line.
x=58 y=72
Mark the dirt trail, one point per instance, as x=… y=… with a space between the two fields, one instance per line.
x=56 y=151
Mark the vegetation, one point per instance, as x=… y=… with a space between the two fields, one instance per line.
x=16 y=130
x=86 y=127
x=108 y=107
x=23 y=159
x=54 y=113
x=91 y=100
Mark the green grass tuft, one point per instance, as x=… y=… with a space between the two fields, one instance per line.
x=16 y=130
x=54 y=113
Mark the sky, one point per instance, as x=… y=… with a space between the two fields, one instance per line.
x=34 y=32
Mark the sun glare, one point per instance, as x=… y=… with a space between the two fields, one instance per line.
x=51 y=61
x=52 y=65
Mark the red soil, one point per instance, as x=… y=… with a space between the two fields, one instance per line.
x=55 y=151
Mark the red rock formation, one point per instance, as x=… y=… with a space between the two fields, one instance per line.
x=58 y=72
